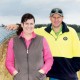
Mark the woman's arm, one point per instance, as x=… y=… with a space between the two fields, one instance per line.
x=48 y=59
x=10 y=59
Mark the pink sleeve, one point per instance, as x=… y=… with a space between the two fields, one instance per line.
x=10 y=57
x=48 y=59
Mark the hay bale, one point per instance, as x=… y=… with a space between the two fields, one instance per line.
x=5 y=35
x=4 y=74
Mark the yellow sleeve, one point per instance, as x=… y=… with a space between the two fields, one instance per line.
x=76 y=44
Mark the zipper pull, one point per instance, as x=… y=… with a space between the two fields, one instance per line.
x=27 y=51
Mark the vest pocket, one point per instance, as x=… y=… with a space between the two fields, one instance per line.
x=17 y=77
x=40 y=76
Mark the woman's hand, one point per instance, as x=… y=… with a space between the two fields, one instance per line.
x=41 y=71
x=15 y=72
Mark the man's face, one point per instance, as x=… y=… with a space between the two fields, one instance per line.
x=56 y=20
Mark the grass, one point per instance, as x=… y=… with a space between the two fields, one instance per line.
x=79 y=35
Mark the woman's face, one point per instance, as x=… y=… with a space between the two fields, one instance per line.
x=28 y=26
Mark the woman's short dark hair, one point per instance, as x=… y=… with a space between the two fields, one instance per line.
x=24 y=18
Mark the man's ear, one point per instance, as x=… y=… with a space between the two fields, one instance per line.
x=50 y=18
x=63 y=17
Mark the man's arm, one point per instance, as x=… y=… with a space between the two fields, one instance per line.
x=76 y=50
x=12 y=26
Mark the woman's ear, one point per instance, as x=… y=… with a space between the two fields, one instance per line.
x=22 y=25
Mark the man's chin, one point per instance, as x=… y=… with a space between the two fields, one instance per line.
x=56 y=26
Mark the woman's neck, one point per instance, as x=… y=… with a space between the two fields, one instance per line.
x=27 y=36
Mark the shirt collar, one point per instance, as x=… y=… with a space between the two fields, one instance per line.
x=33 y=35
x=64 y=28
x=59 y=32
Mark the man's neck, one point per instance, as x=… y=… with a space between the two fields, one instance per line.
x=56 y=29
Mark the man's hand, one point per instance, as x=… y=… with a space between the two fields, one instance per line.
x=12 y=27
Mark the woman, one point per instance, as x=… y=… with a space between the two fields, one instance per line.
x=28 y=55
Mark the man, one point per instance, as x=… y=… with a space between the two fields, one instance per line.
x=64 y=44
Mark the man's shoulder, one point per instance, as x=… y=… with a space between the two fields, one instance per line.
x=71 y=29
x=40 y=31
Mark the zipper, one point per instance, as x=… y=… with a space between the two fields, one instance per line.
x=55 y=38
x=28 y=63
x=27 y=50
x=28 y=57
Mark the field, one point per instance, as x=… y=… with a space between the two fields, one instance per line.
x=79 y=35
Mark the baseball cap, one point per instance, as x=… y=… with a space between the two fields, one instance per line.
x=56 y=10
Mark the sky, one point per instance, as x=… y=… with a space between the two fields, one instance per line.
x=11 y=11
